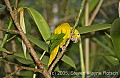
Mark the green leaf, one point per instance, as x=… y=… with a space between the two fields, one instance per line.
x=56 y=37
x=26 y=74
x=115 y=35
x=55 y=40
x=92 y=28
x=2 y=49
x=37 y=42
x=24 y=61
x=111 y=60
x=104 y=46
x=20 y=57
x=92 y=5
x=27 y=25
x=45 y=60
x=41 y=23
x=69 y=61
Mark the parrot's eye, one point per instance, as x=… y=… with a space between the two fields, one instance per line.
x=78 y=34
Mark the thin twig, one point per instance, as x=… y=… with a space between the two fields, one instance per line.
x=11 y=74
x=11 y=31
x=11 y=38
x=65 y=47
x=16 y=4
x=104 y=14
x=27 y=43
x=8 y=52
x=95 y=12
x=42 y=55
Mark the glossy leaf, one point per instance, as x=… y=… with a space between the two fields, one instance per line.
x=115 y=35
x=38 y=42
x=41 y=23
x=55 y=40
x=69 y=61
x=92 y=28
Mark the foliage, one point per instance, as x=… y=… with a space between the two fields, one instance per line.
x=39 y=21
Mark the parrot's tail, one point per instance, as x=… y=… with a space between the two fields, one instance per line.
x=53 y=55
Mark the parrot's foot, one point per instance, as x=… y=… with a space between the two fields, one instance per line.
x=75 y=40
x=63 y=48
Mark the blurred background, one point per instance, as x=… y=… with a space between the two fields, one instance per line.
x=99 y=53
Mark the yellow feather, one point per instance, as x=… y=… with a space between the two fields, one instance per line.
x=66 y=29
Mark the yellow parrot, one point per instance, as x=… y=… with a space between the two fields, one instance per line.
x=66 y=29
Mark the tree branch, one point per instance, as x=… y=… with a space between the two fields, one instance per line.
x=27 y=43
x=11 y=31
x=21 y=67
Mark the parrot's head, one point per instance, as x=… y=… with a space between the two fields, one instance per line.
x=75 y=36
